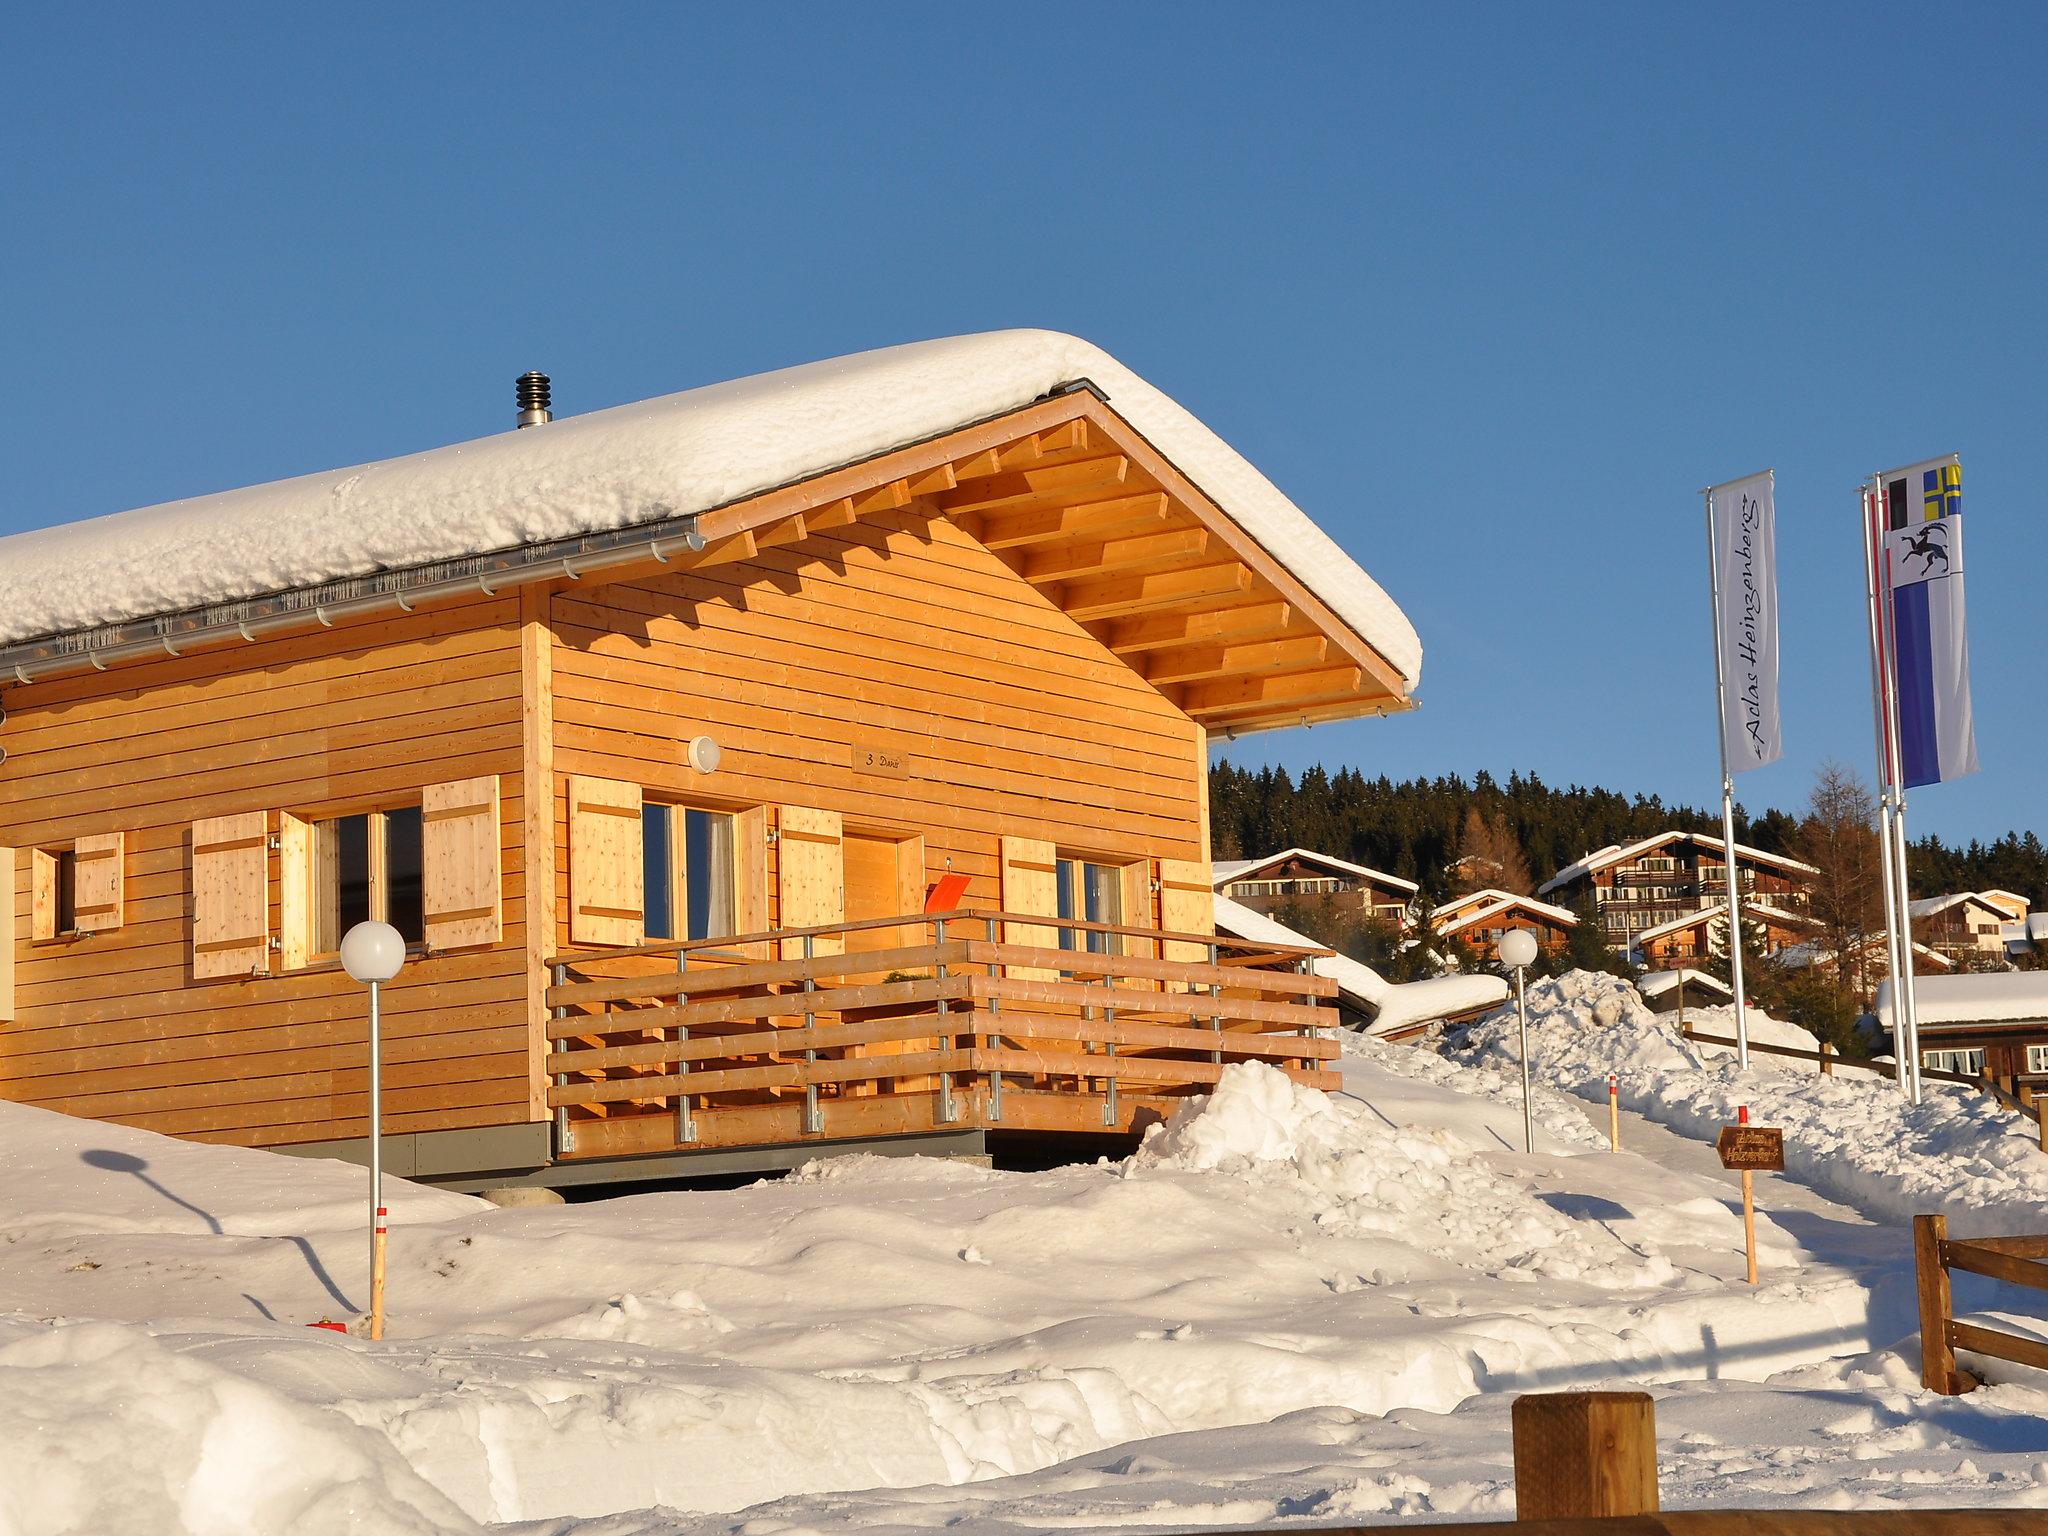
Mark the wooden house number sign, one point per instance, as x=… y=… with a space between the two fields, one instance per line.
x=880 y=762
x=1752 y=1148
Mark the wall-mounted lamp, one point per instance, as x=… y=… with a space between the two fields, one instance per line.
x=703 y=754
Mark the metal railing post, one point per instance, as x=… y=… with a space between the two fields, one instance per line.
x=1215 y=991
x=686 y=1122
x=995 y=1040
x=1109 y=1049
x=565 y=1139
x=813 y=1121
x=948 y=1111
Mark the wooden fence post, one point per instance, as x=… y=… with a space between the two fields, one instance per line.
x=1938 y=1369
x=1827 y=1068
x=1582 y=1455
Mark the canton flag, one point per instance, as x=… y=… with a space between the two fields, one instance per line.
x=1923 y=556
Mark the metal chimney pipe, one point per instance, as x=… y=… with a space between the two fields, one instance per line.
x=534 y=399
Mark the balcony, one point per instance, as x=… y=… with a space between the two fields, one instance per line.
x=914 y=1025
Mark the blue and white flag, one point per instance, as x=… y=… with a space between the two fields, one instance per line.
x=1923 y=560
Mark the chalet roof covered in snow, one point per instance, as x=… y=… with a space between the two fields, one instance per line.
x=1657 y=983
x=1934 y=906
x=1392 y=1005
x=1477 y=906
x=1621 y=853
x=2005 y=997
x=1229 y=871
x=633 y=465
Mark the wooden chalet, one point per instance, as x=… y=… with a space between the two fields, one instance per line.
x=1302 y=876
x=1991 y=1025
x=817 y=760
x=1672 y=877
x=1698 y=936
x=1968 y=927
x=1479 y=918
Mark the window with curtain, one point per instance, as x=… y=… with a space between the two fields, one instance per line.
x=687 y=866
x=367 y=868
x=1091 y=893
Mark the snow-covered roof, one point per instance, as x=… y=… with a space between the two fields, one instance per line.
x=1491 y=903
x=2013 y=898
x=652 y=461
x=1621 y=853
x=1393 y=1005
x=1657 y=983
x=1934 y=906
x=1231 y=870
x=2005 y=997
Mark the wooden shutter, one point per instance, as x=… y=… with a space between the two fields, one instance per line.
x=811 y=880
x=1136 y=879
x=42 y=895
x=97 y=891
x=1031 y=888
x=230 y=895
x=607 y=890
x=461 y=865
x=297 y=912
x=1187 y=904
x=6 y=934
x=750 y=876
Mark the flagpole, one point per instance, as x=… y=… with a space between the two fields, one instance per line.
x=1727 y=797
x=1902 y=978
x=1872 y=512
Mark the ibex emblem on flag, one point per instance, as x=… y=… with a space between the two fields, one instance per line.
x=1923 y=546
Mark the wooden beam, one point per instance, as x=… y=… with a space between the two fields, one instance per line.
x=837 y=515
x=741 y=546
x=1198 y=663
x=1112 y=596
x=1088 y=556
x=1165 y=631
x=1052 y=485
x=791 y=530
x=932 y=481
x=1122 y=514
x=883 y=498
x=1280 y=689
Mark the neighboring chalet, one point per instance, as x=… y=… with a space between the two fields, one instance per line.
x=1676 y=991
x=815 y=759
x=1986 y=1025
x=1479 y=918
x=1659 y=885
x=1297 y=875
x=1366 y=1000
x=1967 y=926
x=1701 y=935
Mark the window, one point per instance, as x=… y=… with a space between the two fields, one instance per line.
x=1091 y=893
x=2037 y=1058
x=367 y=868
x=1968 y=1062
x=687 y=871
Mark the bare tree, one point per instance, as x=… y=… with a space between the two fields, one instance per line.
x=1489 y=854
x=1838 y=837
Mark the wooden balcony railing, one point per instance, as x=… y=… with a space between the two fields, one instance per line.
x=914 y=1024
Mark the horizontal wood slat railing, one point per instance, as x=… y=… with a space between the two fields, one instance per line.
x=2014 y=1260
x=731 y=1042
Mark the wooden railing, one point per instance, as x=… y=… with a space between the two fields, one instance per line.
x=2015 y=1260
x=912 y=1024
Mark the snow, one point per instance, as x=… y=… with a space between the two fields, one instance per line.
x=1283 y=1307
x=633 y=464
x=1657 y=983
x=1850 y=1135
x=1491 y=903
x=1998 y=997
x=1394 y=1005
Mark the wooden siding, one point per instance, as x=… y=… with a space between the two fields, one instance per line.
x=115 y=1026
x=899 y=633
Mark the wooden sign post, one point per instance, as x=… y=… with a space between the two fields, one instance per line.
x=1750 y=1148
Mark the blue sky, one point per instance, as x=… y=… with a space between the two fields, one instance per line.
x=1491 y=290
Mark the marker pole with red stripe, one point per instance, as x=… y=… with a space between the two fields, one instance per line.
x=1613 y=1112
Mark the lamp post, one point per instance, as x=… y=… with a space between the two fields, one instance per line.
x=1518 y=950
x=373 y=953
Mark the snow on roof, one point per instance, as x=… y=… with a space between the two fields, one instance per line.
x=1995 y=894
x=1620 y=853
x=1242 y=869
x=1930 y=906
x=1494 y=902
x=633 y=464
x=1720 y=911
x=1393 y=1005
x=1999 y=998
x=1657 y=983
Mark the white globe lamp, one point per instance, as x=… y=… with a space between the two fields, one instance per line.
x=373 y=953
x=1518 y=952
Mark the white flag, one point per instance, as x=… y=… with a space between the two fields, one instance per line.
x=1746 y=567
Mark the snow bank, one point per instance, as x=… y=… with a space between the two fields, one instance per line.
x=633 y=464
x=1850 y=1135
x=71 y=1175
